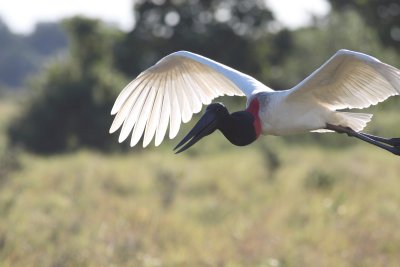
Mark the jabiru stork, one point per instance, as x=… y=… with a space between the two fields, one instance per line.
x=180 y=83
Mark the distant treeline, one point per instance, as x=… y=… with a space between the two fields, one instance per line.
x=24 y=55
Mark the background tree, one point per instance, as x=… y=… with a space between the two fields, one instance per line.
x=16 y=60
x=47 y=39
x=24 y=55
x=382 y=15
x=226 y=31
x=312 y=46
x=72 y=99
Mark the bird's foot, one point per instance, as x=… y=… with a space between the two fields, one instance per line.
x=389 y=144
x=395 y=150
x=394 y=142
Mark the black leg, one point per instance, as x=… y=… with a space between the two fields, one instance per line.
x=390 y=145
x=390 y=141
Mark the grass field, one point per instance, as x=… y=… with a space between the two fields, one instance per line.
x=330 y=201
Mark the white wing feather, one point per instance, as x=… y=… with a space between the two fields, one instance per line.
x=170 y=92
x=349 y=80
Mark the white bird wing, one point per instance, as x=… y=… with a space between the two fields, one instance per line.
x=349 y=80
x=170 y=92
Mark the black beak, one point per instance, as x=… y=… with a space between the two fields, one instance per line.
x=205 y=126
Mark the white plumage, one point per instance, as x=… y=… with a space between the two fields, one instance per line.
x=350 y=80
x=179 y=84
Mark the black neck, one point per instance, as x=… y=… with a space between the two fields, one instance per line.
x=238 y=128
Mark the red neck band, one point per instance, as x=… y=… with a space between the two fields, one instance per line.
x=254 y=108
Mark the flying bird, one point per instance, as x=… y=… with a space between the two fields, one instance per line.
x=179 y=84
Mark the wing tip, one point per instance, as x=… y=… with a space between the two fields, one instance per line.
x=111 y=130
x=146 y=141
x=121 y=138
x=114 y=109
x=114 y=127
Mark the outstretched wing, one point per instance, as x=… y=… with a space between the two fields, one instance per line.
x=170 y=92
x=349 y=80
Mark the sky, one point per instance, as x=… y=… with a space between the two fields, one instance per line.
x=22 y=15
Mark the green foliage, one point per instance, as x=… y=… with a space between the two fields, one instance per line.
x=70 y=107
x=320 y=180
x=9 y=163
x=223 y=30
x=382 y=15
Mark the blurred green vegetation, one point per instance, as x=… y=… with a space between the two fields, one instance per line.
x=70 y=195
x=270 y=204
x=383 y=15
x=70 y=102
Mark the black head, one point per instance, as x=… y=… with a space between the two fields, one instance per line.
x=217 y=108
x=237 y=127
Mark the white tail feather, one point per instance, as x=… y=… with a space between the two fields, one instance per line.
x=356 y=121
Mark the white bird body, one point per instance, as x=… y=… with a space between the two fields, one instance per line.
x=176 y=87
x=282 y=117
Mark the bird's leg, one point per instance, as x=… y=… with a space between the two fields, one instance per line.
x=390 y=141
x=381 y=142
